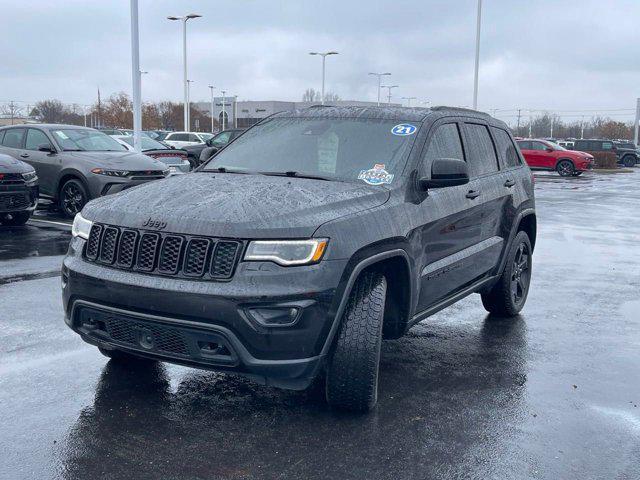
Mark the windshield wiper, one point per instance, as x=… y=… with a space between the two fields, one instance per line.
x=292 y=173
x=73 y=149
x=227 y=170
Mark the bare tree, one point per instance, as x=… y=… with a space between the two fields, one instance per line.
x=49 y=111
x=311 y=95
x=331 y=97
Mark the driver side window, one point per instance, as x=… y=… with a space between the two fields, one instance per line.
x=444 y=143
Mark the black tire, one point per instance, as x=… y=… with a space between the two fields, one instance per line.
x=72 y=198
x=629 y=161
x=509 y=295
x=120 y=356
x=577 y=174
x=565 y=168
x=352 y=370
x=15 y=219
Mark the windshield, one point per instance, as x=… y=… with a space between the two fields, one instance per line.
x=205 y=136
x=81 y=139
x=347 y=149
x=147 y=143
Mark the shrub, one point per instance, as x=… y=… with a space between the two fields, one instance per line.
x=605 y=159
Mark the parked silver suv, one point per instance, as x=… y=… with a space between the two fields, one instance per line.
x=76 y=164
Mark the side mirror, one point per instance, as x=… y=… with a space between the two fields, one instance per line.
x=549 y=149
x=446 y=172
x=208 y=142
x=45 y=147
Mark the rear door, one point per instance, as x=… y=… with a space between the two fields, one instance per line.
x=47 y=164
x=539 y=155
x=12 y=143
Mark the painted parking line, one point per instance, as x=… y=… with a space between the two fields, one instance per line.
x=50 y=222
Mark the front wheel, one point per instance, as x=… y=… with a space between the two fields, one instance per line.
x=565 y=168
x=352 y=371
x=16 y=219
x=509 y=295
x=629 y=161
x=73 y=197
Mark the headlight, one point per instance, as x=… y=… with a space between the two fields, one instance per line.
x=110 y=173
x=30 y=176
x=287 y=252
x=81 y=227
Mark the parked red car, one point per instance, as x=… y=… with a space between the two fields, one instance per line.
x=545 y=155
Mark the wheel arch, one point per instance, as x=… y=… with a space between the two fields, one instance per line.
x=396 y=267
x=70 y=174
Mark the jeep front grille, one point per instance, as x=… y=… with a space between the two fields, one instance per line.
x=163 y=253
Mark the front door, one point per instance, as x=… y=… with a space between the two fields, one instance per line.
x=47 y=164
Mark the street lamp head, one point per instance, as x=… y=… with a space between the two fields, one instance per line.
x=331 y=53
x=173 y=18
x=193 y=15
x=211 y=87
x=313 y=53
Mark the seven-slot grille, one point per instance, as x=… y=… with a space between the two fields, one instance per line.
x=162 y=253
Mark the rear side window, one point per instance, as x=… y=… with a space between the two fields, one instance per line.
x=506 y=149
x=524 y=145
x=445 y=143
x=194 y=138
x=13 y=138
x=538 y=146
x=179 y=137
x=481 y=153
x=35 y=138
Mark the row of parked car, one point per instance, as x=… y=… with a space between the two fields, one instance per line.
x=543 y=154
x=70 y=165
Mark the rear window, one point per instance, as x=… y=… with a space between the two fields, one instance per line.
x=481 y=154
x=13 y=138
x=506 y=148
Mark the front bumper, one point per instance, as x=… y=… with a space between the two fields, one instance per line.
x=206 y=324
x=18 y=198
x=100 y=185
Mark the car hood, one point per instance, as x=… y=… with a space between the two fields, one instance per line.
x=11 y=165
x=119 y=160
x=236 y=205
x=577 y=154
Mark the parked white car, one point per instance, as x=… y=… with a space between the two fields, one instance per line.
x=183 y=139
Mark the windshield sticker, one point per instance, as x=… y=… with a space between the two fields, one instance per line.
x=62 y=135
x=376 y=176
x=404 y=129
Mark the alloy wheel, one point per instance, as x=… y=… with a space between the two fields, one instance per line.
x=520 y=274
x=72 y=199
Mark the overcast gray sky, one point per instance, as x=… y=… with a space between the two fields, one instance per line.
x=542 y=54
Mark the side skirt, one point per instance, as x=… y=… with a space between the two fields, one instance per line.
x=418 y=317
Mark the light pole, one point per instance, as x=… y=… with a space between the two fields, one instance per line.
x=224 y=114
x=475 y=76
x=324 y=57
x=379 y=75
x=188 y=104
x=635 y=126
x=135 y=78
x=389 y=87
x=211 y=87
x=184 y=63
x=408 y=99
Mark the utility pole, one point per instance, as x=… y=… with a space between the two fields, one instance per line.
x=136 y=78
x=235 y=111
x=224 y=113
x=518 y=127
x=530 y=122
x=211 y=87
x=99 y=119
x=635 y=126
x=475 y=76
x=582 y=128
x=551 y=127
x=324 y=58
x=408 y=99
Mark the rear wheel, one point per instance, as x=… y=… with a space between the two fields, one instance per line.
x=565 y=168
x=509 y=295
x=73 y=197
x=352 y=371
x=15 y=219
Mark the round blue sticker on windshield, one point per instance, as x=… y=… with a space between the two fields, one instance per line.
x=404 y=129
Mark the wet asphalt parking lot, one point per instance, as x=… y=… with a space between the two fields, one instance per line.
x=553 y=394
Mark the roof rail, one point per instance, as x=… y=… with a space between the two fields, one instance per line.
x=459 y=109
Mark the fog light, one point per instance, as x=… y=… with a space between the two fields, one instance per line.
x=274 y=317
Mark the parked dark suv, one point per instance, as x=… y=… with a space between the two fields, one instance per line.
x=76 y=164
x=625 y=156
x=18 y=191
x=304 y=242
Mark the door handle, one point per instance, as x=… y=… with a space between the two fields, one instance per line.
x=24 y=155
x=509 y=183
x=472 y=194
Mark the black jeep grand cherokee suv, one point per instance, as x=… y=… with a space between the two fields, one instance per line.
x=297 y=248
